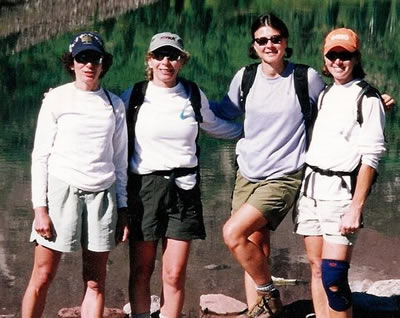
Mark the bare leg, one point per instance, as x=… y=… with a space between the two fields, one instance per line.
x=142 y=257
x=342 y=253
x=44 y=269
x=175 y=260
x=94 y=279
x=314 y=245
x=262 y=239
x=250 y=256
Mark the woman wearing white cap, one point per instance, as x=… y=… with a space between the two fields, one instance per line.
x=78 y=177
x=342 y=159
x=164 y=116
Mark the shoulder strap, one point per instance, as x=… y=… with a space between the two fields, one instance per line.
x=248 y=78
x=109 y=98
x=194 y=95
x=308 y=109
x=368 y=91
x=135 y=101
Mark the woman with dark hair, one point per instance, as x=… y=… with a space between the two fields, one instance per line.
x=270 y=157
x=342 y=159
x=78 y=177
x=165 y=114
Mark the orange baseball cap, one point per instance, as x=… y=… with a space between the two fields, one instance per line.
x=344 y=38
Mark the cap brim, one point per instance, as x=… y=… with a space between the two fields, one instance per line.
x=153 y=48
x=86 y=48
x=349 y=48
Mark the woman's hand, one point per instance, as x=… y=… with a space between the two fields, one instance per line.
x=388 y=102
x=122 y=231
x=351 y=221
x=42 y=222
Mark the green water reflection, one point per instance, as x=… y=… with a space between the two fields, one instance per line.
x=216 y=33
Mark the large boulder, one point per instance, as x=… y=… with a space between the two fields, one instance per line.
x=385 y=288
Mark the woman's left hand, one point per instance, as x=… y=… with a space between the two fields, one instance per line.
x=388 y=102
x=122 y=230
x=350 y=222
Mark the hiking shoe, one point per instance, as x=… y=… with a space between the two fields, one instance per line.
x=267 y=305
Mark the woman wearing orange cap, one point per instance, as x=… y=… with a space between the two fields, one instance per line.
x=342 y=159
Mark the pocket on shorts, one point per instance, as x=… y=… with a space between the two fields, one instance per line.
x=57 y=191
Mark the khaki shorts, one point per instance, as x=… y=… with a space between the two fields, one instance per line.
x=273 y=198
x=322 y=218
x=80 y=218
x=158 y=208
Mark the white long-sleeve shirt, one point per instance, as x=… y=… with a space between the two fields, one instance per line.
x=82 y=140
x=166 y=131
x=339 y=142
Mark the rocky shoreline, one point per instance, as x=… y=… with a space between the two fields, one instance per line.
x=380 y=299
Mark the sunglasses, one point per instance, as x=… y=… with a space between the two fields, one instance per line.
x=275 y=39
x=343 y=55
x=89 y=57
x=172 y=56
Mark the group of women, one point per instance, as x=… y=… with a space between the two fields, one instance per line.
x=84 y=188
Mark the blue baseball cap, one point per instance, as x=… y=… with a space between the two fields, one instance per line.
x=85 y=41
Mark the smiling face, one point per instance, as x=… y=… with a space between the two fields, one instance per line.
x=340 y=64
x=165 y=63
x=267 y=46
x=87 y=67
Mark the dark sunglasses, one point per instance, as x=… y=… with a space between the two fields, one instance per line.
x=275 y=39
x=89 y=57
x=343 y=55
x=172 y=56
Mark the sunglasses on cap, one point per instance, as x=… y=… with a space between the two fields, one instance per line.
x=275 y=39
x=170 y=55
x=342 y=55
x=89 y=57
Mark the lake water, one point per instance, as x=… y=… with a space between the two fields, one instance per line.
x=216 y=33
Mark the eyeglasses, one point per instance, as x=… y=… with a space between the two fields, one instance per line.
x=89 y=57
x=343 y=55
x=172 y=56
x=275 y=39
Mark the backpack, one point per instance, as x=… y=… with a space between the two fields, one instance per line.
x=308 y=109
x=137 y=98
x=366 y=90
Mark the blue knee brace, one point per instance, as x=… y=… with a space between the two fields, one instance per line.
x=336 y=285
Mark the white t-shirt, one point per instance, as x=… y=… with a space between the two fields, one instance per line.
x=81 y=140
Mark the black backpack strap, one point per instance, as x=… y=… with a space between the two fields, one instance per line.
x=308 y=109
x=368 y=91
x=248 y=78
x=193 y=92
x=135 y=101
x=109 y=99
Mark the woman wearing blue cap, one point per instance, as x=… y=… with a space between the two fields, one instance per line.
x=78 y=177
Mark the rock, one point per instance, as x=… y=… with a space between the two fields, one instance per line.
x=75 y=312
x=386 y=288
x=216 y=266
x=360 y=285
x=214 y=305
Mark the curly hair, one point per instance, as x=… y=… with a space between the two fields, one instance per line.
x=68 y=61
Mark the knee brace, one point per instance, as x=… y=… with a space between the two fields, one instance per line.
x=336 y=285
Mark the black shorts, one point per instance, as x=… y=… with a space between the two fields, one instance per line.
x=158 y=208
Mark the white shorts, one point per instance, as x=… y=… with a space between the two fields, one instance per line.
x=80 y=218
x=322 y=218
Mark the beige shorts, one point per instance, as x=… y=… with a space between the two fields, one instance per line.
x=322 y=218
x=80 y=218
x=274 y=198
